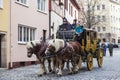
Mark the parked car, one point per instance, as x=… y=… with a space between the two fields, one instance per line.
x=115 y=46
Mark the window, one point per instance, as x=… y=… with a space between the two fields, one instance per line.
x=75 y=14
x=103 y=18
x=69 y=8
x=98 y=18
x=103 y=6
x=41 y=5
x=93 y=28
x=22 y=1
x=1 y=3
x=104 y=28
x=98 y=29
x=98 y=7
x=66 y=4
x=25 y=33
x=71 y=11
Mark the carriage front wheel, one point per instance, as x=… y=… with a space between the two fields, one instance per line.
x=100 y=57
x=89 y=61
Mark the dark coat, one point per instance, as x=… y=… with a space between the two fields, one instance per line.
x=65 y=27
x=110 y=46
x=62 y=34
x=74 y=26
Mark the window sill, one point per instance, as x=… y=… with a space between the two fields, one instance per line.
x=42 y=12
x=22 y=4
x=22 y=43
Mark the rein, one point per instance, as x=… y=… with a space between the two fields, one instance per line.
x=41 y=53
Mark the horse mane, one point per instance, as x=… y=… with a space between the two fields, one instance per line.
x=35 y=42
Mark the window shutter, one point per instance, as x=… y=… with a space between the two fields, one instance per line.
x=1 y=3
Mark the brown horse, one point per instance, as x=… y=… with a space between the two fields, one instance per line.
x=38 y=48
x=63 y=51
x=77 y=54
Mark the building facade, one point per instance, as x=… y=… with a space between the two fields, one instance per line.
x=28 y=19
x=4 y=33
x=107 y=13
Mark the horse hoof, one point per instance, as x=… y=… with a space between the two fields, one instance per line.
x=39 y=75
x=75 y=72
x=70 y=73
x=53 y=72
x=45 y=73
x=59 y=75
x=50 y=70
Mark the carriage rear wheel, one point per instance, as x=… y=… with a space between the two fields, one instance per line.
x=100 y=57
x=89 y=61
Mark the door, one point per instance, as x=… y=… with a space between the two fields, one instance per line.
x=0 y=50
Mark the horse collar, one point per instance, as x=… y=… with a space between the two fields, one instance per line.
x=65 y=44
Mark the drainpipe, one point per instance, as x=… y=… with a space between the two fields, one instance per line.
x=10 y=66
x=50 y=7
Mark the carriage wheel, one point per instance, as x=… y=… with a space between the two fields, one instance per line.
x=100 y=57
x=89 y=61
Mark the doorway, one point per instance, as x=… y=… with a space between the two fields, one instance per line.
x=3 y=51
x=0 y=51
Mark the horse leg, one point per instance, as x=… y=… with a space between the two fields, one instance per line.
x=55 y=64
x=44 y=68
x=69 y=68
x=49 y=65
x=60 y=68
x=80 y=63
x=76 y=68
x=41 y=72
x=63 y=63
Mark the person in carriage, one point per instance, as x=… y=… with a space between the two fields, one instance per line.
x=65 y=26
x=79 y=28
x=79 y=32
x=63 y=31
x=74 y=24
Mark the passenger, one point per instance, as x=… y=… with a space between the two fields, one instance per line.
x=79 y=28
x=74 y=24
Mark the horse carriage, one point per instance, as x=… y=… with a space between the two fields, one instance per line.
x=89 y=44
x=69 y=47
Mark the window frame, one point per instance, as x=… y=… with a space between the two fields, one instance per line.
x=104 y=18
x=98 y=7
x=98 y=28
x=40 y=6
x=104 y=29
x=24 y=3
x=103 y=7
x=24 y=33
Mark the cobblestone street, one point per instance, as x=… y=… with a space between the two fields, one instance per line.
x=109 y=71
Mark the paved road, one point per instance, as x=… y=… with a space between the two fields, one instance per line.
x=109 y=71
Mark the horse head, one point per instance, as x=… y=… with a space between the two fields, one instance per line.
x=32 y=47
x=54 y=46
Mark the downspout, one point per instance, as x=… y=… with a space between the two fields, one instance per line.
x=10 y=66
x=50 y=7
x=64 y=7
